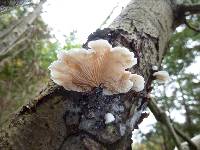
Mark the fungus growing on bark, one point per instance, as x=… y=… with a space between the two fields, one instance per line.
x=161 y=76
x=109 y=118
x=154 y=68
x=138 y=82
x=81 y=70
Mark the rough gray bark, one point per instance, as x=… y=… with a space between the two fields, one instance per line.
x=66 y=120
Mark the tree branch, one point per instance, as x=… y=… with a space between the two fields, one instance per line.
x=10 y=3
x=162 y=118
x=108 y=17
x=7 y=4
x=192 y=9
x=13 y=33
x=196 y=47
x=24 y=42
x=184 y=10
x=183 y=136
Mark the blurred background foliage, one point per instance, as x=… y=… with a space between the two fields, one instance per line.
x=24 y=71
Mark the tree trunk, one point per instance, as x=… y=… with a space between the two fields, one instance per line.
x=65 y=120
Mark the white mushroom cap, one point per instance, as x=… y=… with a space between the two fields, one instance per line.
x=161 y=76
x=155 y=68
x=138 y=82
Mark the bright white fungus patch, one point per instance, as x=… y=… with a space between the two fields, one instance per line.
x=81 y=70
x=161 y=76
x=155 y=68
x=109 y=118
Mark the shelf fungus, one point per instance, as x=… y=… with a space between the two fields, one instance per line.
x=81 y=70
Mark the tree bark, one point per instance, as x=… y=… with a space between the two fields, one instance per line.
x=65 y=120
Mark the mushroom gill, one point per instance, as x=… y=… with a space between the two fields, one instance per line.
x=81 y=70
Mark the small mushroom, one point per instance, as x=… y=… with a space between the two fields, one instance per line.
x=161 y=76
x=109 y=118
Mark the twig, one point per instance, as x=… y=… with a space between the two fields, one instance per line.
x=108 y=17
x=7 y=57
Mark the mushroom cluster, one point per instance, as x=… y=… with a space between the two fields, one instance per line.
x=101 y=65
